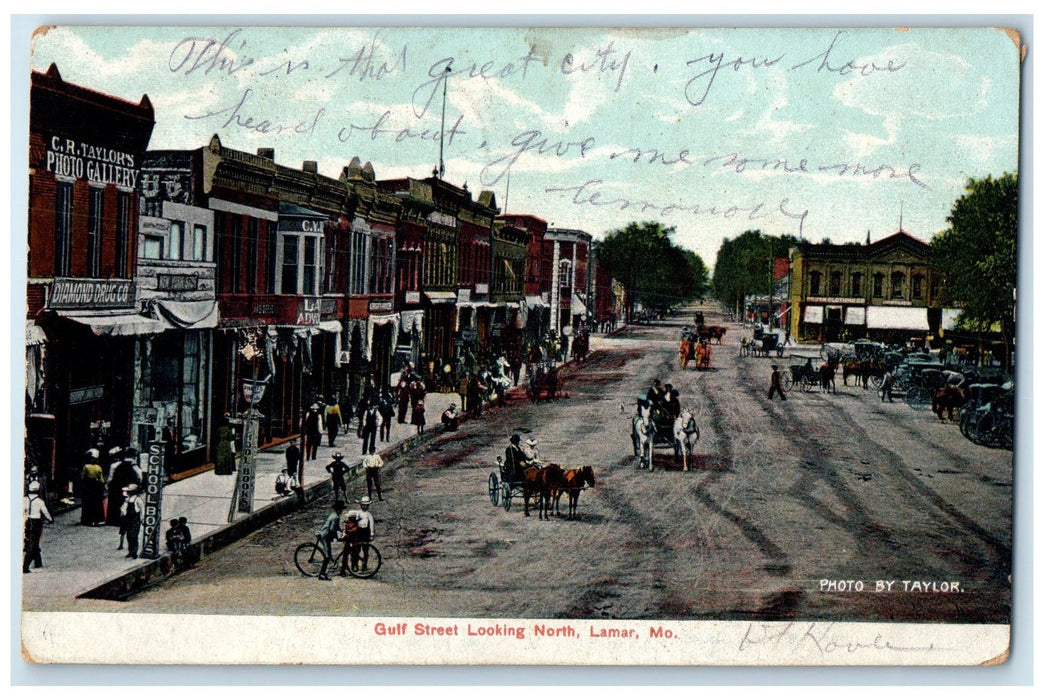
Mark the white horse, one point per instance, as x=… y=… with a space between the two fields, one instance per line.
x=686 y=433
x=643 y=432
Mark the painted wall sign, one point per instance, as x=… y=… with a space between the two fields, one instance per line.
x=69 y=158
x=91 y=294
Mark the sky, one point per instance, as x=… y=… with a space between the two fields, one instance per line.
x=819 y=133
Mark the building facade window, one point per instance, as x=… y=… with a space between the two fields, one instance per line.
x=152 y=247
x=176 y=240
x=857 y=284
x=271 y=241
x=878 y=285
x=897 y=285
x=236 y=258
x=310 y=266
x=253 y=253
x=565 y=269
x=123 y=233
x=289 y=277
x=63 y=229
x=199 y=243
x=835 y=284
x=814 y=282
x=95 y=219
x=917 y=286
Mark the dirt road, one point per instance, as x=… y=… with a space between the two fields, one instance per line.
x=789 y=510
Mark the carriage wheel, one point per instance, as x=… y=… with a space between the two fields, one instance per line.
x=807 y=385
x=505 y=496
x=494 y=490
x=788 y=382
x=918 y=398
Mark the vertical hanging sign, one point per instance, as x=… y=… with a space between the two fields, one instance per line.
x=248 y=462
x=152 y=518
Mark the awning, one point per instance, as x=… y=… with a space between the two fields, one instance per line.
x=412 y=321
x=813 y=314
x=533 y=301
x=578 y=306
x=188 y=314
x=118 y=322
x=855 y=316
x=34 y=335
x=441 y=297
x=907 y=318
x=330 y=326
x=949 y=319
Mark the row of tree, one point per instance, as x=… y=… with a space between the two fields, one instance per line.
x=656 y=273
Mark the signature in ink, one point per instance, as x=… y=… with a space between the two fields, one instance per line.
x=590 y=193
x=821 y=638
x=236 y=116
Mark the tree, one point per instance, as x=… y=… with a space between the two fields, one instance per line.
x=655 y=271
x=743 y=265
x=976 y=256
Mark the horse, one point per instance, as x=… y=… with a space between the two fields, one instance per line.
x=827 y=372
x=684 y=428
x=573 y=481
x=541 y=482
x=862 y=370
x=947 y=399
x=715 y=332
x=643 y=432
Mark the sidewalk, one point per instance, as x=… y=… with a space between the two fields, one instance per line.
x=78 y=558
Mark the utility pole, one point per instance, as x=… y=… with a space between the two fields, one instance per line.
x=442 y=130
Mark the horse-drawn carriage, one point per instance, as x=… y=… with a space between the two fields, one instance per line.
x=534 y=479
x=543 y=383
x=653 y=428
x=804 y=376
x=763 y=344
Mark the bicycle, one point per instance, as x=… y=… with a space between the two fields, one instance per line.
x=361 y=560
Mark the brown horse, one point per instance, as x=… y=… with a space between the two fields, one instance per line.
x=947 y=399
x=713 y=332
x=573 y=481
x=862 y=370
x=541 y=482
x=827 y=371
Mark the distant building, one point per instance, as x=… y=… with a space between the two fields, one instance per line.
x=886 y=290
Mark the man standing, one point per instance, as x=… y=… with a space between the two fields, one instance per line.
x=313 y=431
x=34 y=511
x=366 y=533
x=328 y=533
x=336 y=469
x=886 y=386
x=776 y=384
x=386 y=408
x=368 y=420
x=131 y=511
x=402 y=394
x=333 y=420
x=373 y=463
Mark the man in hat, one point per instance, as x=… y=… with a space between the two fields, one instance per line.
x=312 y=428
x=776 y=384
x=131 y=511
x=34 y=512
x=328 y=533
x=515 y=458
x=336 y=469
x=365 y=533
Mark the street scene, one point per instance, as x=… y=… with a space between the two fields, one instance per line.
x=510 y=324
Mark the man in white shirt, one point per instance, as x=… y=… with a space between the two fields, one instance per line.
x=34 y=511
x=365 y=533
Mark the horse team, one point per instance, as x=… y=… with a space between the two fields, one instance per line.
x=549 y=482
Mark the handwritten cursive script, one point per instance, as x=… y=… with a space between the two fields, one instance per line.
x=821 y=639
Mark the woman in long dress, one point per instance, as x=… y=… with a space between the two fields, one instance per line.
x=225 y=462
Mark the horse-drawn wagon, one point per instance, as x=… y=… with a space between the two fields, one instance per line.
x=543 y=383
x=653 y=428
x=802 y=375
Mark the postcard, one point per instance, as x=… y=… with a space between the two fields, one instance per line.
x=520 y=345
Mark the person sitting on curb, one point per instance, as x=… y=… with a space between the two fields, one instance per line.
x=282 y=484
x=450 y=417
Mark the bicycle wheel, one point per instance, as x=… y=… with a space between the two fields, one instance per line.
x=368 y=562
x=918 y=398
x=309 y=559
x=494 y=490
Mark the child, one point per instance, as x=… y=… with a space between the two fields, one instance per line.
x=418 y=416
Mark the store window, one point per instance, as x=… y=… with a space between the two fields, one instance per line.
x=310 y=265
x=917 y=288
x=565 y=267
x=152 y=248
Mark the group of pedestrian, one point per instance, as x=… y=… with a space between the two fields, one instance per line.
x=410 y=393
